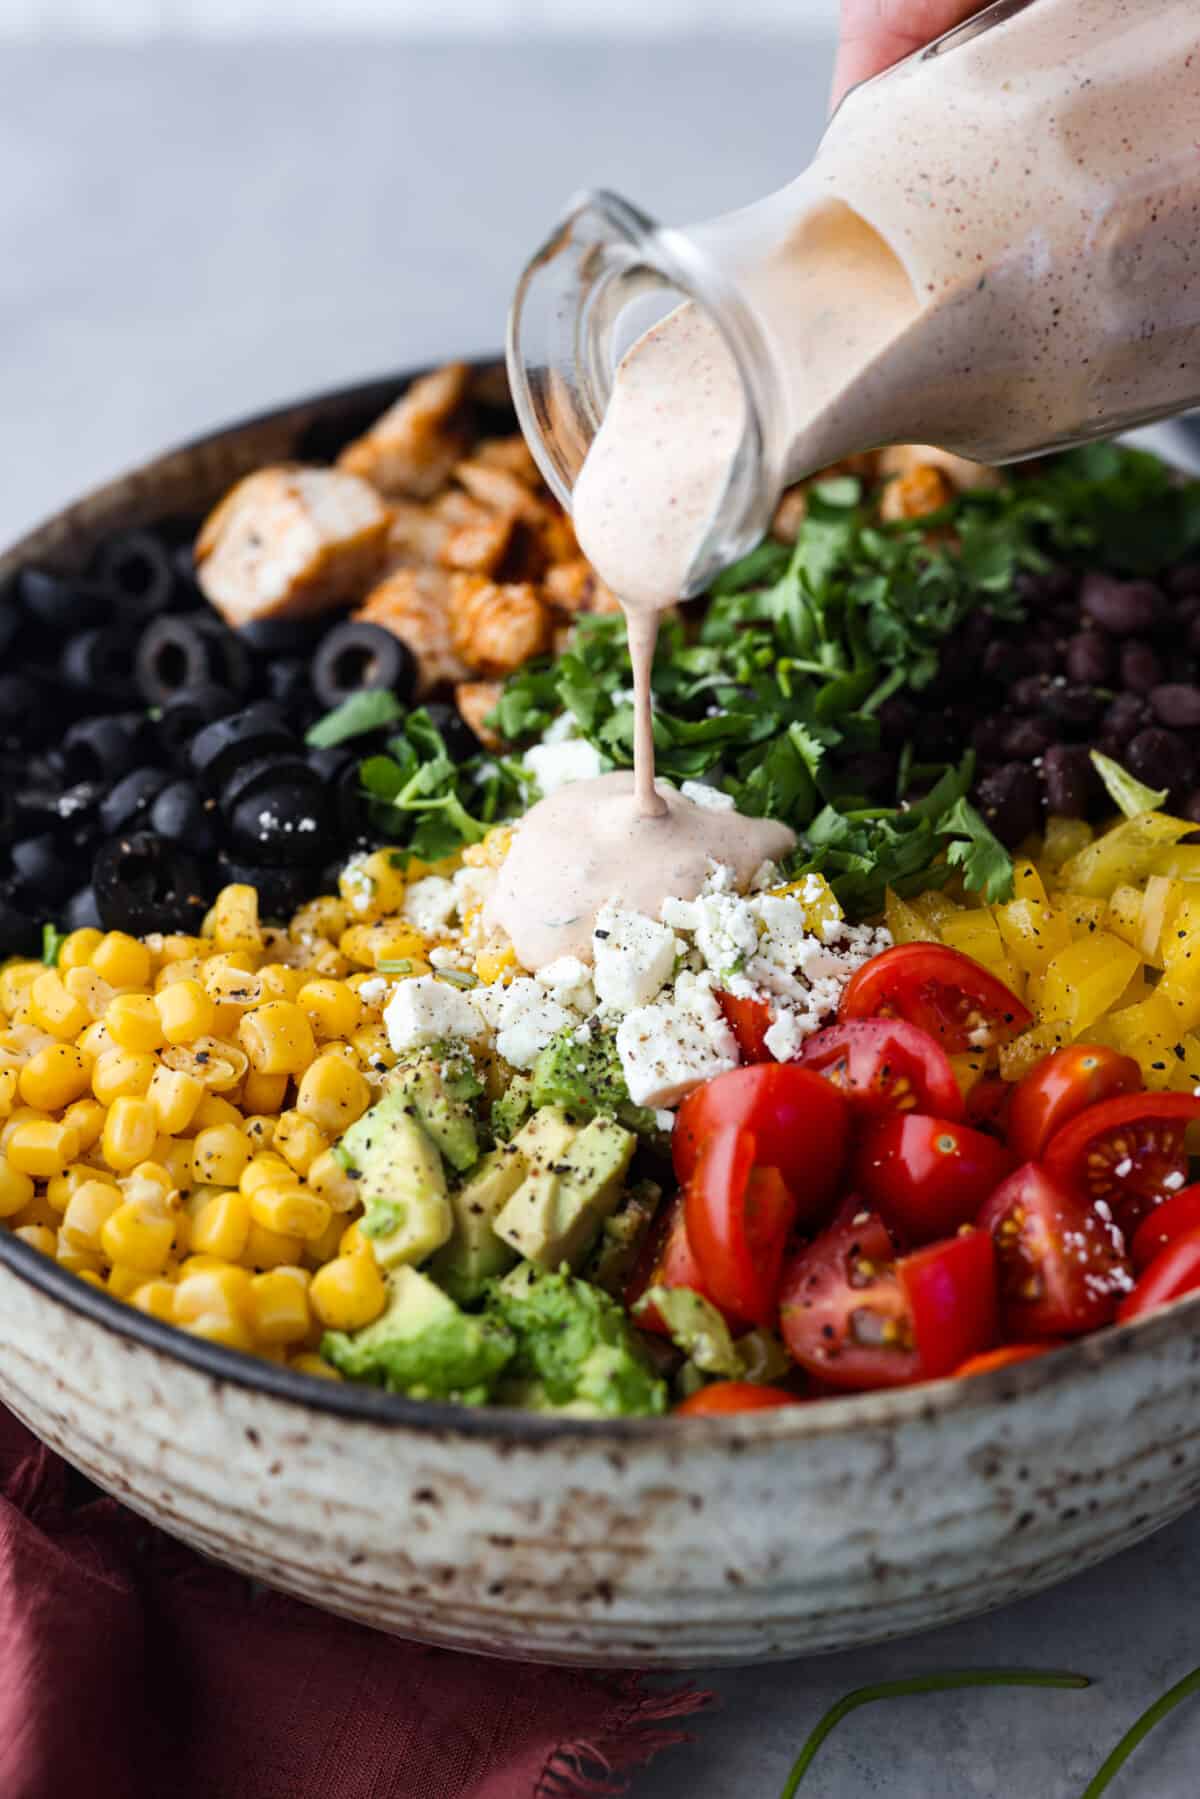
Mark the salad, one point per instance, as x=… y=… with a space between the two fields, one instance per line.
x=914 y=1103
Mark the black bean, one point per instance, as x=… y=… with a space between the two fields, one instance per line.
x=99 y=749
x=1089 y=658
x=1161 y=759
x=61 y=602
x=873 y=772
x=987 y=739
x=1123 y=608
x=101 y=663
x=1027 y=738
x=357 y=655
x=1045 y=587
x=1176 y=703
x=125 y=804
x=1141 y=668
x=1027 y=694
x=1184 y=580
x=1072 y=704
x=1010 y=800
x=136 y=569
x=188 y=713
x=258 y=730
x=41 y=874
x=897 y=719
x=181 y=815
x=1123 y=718
x=1005 y=662
x=20 y=931
x=143 y=883
x=1189 y=806
x=931 y=734
x=1044 y=656
x=1067 y=780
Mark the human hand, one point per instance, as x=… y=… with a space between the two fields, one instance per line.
x=877 y=33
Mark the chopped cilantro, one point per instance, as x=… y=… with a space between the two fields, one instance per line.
x=52 y=942
x=365 y=711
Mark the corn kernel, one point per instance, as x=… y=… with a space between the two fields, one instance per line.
x=372 y=886
x=231 y=987
x=60 y=1187
x=77 y=948
x=54 y=1077
x=278 y=1038
x=270 y=1249
x=87 y=1117
x=129 y=1132
x=16 y=980
x=332 y=1006
x=52 y=1008
x=348 y=1292
x=219 y=1154
x=264 y=1170
x=214 y=1109
x=122 y=1074
x=187 y=968
x=82 y=1265
x=176 y=1099
x=39 y=1237
x=278 y=1310
x=290 y=1210
x=264 y=1092
x=211 y=1287
x=260 y=1131
x=235 y=918
x=319 y=1250
x=325 y=916
x=332 y=1094
x=16 y=1188
x=495 y=961
x=374 y=1051
x=157 y=1298
x=313 y=1364
x=90 y=989
x=175 y=1154
x=9 y=1081
x=95 y=1040
x=150 y=1180
x=298 y=1141
x=38 y=1211
x=282 y=982
x=18 y=1116
x=139 y=1235
x=221 y=1226
x=133 y=1022
x=223 y=1328
x=353 y=1243
x=185 y=1011
x=42 y=1147
x=217 y=1064
x=122 y=960
x=327 y=1178
x=88 y=1211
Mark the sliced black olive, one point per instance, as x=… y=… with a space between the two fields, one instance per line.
x=125 y=805
x=257 y=730
x=61 y=602
x=270 y=637
x=182 y=815
x=284 y=824
x=136 y=570
x=42 y=875
x=288 y=683
x=188 y=713
x=81 y=912
x=283 y=767
x=25 y=718
x=460 y=740
x=338 y=768
x=175 y=654
x=101 y=662
x=143 y=883
x=100 y=749
x=280 y=890
x=10 y=619
x=20 y=932
x=357 y=655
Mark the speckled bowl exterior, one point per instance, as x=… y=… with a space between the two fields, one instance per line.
x=656 y=1542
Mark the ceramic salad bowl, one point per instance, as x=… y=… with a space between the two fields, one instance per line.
x=657 y=1542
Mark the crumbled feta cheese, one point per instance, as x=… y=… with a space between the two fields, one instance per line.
x=555 y=765
x=711 y=798
x=570 y=981
x=471 y=887
x=664 y=1118
x=634 y=958
x=430 y=904
x=357 y=884
x=449 y=955
x=668 y=1048
x=561 y=729
x=372 y=990
x=425 y=1010
x=786 y=1034
x=765 y=875
x=527 y=1018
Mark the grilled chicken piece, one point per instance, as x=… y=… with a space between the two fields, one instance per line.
x=496 y=627
x=410 y=452
x=475 y=699
x=414 y=604
x=288 y=541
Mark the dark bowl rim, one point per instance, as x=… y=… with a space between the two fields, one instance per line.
x=370 y=1405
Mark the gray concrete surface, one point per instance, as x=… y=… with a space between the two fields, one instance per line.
x=188 y=235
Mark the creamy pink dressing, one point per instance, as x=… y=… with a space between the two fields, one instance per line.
x=588 y=843
x=996 y=249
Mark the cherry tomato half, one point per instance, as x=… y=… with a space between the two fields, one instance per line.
x=725 y=1396
x=749 y=1020
x=885 y=1065
x=843 y=1314
x=951 y=1292
x=739 y=1218
x=1061 y=1087
x=927 y=1176
x=1174 y=1271
x=1004 y=1357
x=941 y=991
x=987 y=1105
x=1128 y=1152
x=1061 y=1267
x=666 y=1261
x=800 y=1124
x=1172 y=1219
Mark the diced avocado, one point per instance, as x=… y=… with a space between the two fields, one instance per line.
x=531 y=1396
x=616 y=1250
x=580 y=1069
x=575 y=1343
x=546 y=1136
x=697 y=1328
x=406 y=1213
x=439 y=1091
x=512 y=1108
x=423 y=1345
x=474 y=1253
x=556 y=1213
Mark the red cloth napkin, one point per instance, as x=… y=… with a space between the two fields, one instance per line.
x=130 y=1668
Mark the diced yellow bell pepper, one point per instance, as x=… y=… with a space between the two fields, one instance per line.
x=904 y=921
x=1032 y=932
x=1126 y=853
x=935 y=907
x=1028 y=883
x=1084 y=980
x=1031 y=1047
x=969 y=1068
x=1065 y=837
x=1124 y=915
x=1083 y=916
x=1182 y=863
x=1149 y=1033
x=975 y=934
x=1160 y=905
x=817 y=901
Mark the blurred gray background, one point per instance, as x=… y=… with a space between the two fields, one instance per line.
x=208 y=206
